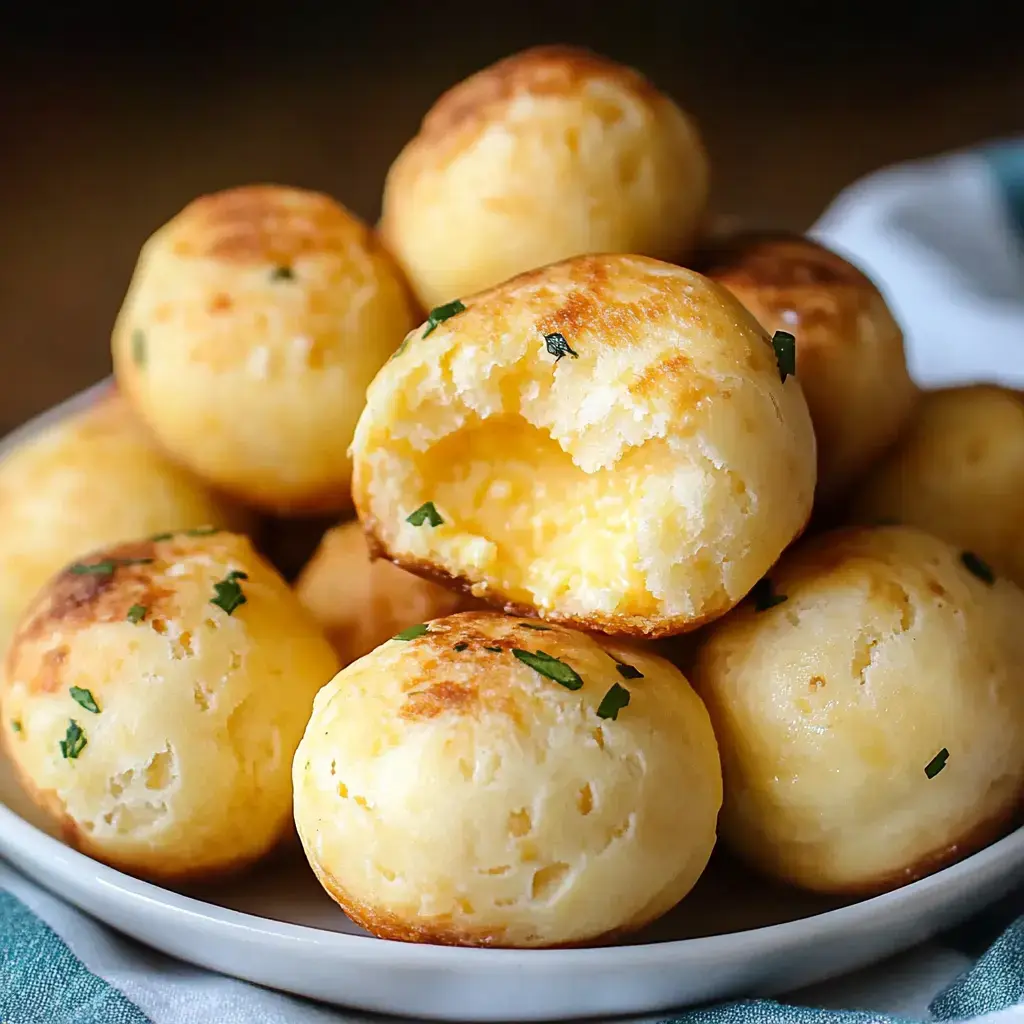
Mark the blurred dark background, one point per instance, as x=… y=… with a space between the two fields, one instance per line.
x=109 y=123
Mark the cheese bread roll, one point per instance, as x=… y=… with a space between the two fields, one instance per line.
x=253 y=323
x=482 y=780
x=152 y=699
x=550 y=153
x=958 y=472
x=869 y=705
x=607 y=441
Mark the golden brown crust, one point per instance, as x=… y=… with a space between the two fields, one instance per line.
x=540 y=71
x=265 y=224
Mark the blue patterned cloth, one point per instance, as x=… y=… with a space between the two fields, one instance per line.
x=945 y=241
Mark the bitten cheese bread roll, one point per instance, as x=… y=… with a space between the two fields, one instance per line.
x=253 y=323
x=152 y=699
x=851 y=361
x=550 y=153
x=958 y=472
x=360 y=602
x=483 y=780
x=91 y=479
x=869 y=705
x=607 y=441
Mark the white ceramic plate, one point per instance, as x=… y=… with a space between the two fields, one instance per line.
x=733 y=936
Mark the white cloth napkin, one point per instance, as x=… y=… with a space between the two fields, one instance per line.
x=940 y=239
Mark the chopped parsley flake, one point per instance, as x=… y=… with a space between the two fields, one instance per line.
x=85 y=698
x=282 y=273
x=628 y=671
x=157 y=537
x=106 y=567
x=74 y=741
x=785 y=353
x=202 y=531
x=494 y=650
x=549 y=667
x=558 y=347
x=228 y=592
x=439 y=314
x=15 y=726
x=136 y=613
x=613 y=702
x=138 y=348
x=426 y=513
x=534 y=625
x=978 y=567
x=411 y=632
x=764 y=595
x=461 y=647
x=937 y=763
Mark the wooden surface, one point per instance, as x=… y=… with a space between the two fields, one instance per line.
x=107 y=129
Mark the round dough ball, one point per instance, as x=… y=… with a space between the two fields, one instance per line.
x=550 y=153
x=155 y=724
x=252 y=326
x=91 y=479
x=605 y=442
x=448 y=790
x=850 y=357
x=360 y=602
x=958 y=472
x=872 y=723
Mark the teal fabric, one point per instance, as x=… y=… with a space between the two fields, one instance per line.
x=1006 y=160
x=43 y=982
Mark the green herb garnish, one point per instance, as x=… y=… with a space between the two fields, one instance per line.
x=495 y=650
x=426 y=513
x=628 y=671
x=15 y=726
x=106 y=567
x=785 y=353
x=764 y=595
x=202 y=531
x=136 y=613
x=228 y=593
x=460 y=647
x=85 y=698
x=282 y=273
x=937 y=763
x=439 y=314
x=138 y=347
x=412 y=632
x=74 y=741
x=977 y=567
x=533 y=625
x=613 y=702
x=157 y=537
x=558 y=347
x=550 y=667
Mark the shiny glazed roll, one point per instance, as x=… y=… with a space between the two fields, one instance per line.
x=851 y=362
x=91 y=479
x=607 y=442
x=958 y=472
x=254 y=321
x=152 y=698
x=547 y=154
x=483 y=780
x=361 y=602
x=869 y=705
